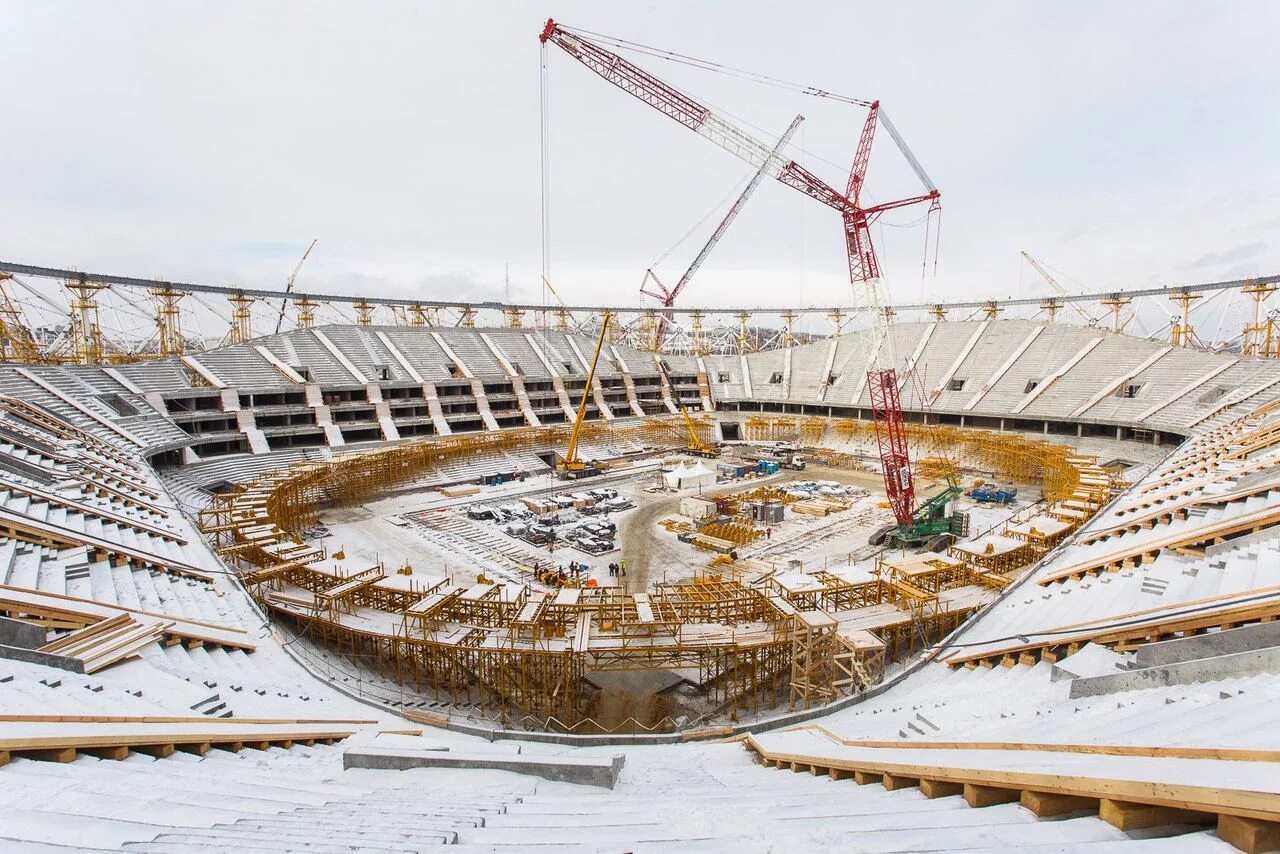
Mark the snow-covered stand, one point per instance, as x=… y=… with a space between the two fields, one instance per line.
x=1122 y=695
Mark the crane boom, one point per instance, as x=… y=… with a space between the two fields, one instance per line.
x=571 y=463
x=668 y=296
x=864 y=268
x=699 y=118
x=734 y=211
x=1053 y=283
x=288 y=288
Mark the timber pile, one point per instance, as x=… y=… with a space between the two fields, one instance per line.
x=109 y=641
x=713 y=544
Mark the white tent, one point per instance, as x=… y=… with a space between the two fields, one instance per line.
x=697 y=476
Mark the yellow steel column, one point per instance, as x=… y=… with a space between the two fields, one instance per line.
x=1182 y=335
x=695 y=334
x=744 y=344
x=168 y=320
x=306 y=312
x=364 y=312
x=241 y=329
x=1051 y=306
x=1257 y=336
x=86 y=335
x=1116 y=303
x=788 y=320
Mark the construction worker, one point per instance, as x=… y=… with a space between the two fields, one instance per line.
x=622 y=568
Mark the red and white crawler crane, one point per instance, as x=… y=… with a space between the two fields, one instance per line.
x=864 y=268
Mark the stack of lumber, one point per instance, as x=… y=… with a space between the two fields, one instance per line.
x=812 y=507
x=109 y=641
x=714 y=544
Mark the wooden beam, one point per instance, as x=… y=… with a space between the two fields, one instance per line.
x=159 y=751
x=976 y=795
x=1250 y=835
x=893 y=782
x=56 y=754
x=1126 y=815
x=940 y=788
x=116 y=753
x=1050 y=804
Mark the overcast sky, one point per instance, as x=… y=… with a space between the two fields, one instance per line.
x=1123 y=143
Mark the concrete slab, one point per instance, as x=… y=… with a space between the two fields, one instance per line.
x=587 y=771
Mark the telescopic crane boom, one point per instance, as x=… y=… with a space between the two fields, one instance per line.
x=1053 y=283
x=696 y=446
x=288 y=288
x=571 y=466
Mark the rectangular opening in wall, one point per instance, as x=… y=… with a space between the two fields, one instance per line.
x=518 y=369
x=1031 y=386
x=118 y=404
x=302 y=371
x=722 y=377
x=1214 y=395
x=832 y=379
x=955 y=385
x=568 y=367
x=1129 y=390
x=775 y=378
x=455 y=372
x=384 y=373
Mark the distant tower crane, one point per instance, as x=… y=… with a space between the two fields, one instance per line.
x=668 y=296
x=864 y=267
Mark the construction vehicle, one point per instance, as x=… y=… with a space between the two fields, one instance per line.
x=991 y=493
x=785 y=454
x=696 y=446
x=935 y=525
x=570 y=466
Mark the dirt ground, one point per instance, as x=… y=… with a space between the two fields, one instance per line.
x=645 y=551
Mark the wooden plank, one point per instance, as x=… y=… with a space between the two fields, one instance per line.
x=990 y=786
x=1168 y=751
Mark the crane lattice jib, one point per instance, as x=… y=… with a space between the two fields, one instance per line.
x=668 y=297
x=705 y=122
x=699 y=118
x=891 y=436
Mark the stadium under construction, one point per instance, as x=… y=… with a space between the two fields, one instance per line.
x=366 y=573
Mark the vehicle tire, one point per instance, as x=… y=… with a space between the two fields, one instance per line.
x=880 y=535
x=939 y=542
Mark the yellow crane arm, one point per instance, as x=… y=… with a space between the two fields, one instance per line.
x=695 y=441
x=571 y=454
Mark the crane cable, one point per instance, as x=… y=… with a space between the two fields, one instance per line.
x=717 y=67
x=544 y=151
